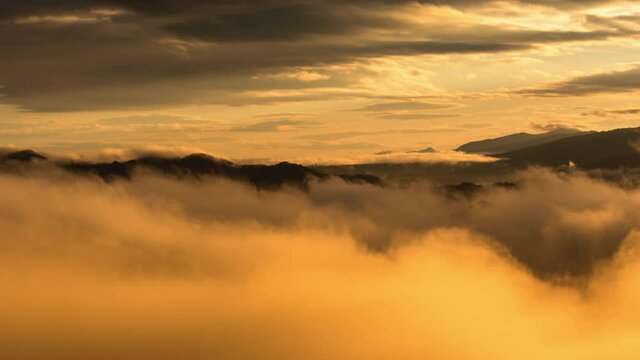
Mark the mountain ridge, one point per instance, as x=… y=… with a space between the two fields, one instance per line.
x=517 y=141
x=198 y=165
x=606 y=149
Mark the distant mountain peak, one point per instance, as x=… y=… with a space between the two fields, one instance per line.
x=24 y=156
x=428 y=150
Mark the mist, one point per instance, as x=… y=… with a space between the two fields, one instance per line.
x=161 y=268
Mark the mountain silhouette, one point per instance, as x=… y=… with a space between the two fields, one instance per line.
x=607 y=149
x=428 y=150
x=267 y=177
x=23 y=156
x=516 y=141
x=615 y=149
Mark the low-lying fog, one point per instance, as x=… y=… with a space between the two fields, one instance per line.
x=159 y=268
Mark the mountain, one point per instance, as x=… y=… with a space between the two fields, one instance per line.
x=265 y=177
x=23 y=156
x=428 y=150
x=516 y=141
x=607 y=149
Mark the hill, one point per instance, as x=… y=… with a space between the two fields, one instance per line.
x=266 y=177
x=608 y=149
x=516 y=141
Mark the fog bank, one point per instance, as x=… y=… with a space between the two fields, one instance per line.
x=156 y=268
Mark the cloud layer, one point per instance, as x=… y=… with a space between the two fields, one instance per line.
x=605 y=83
x=156 y=268
x=113 y=54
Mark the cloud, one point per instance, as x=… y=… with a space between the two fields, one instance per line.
x=153 y=119
x=156 y=268
x=127 y=68
x=280 y=23
x=611 y=112
x=562 y=4
x=417 y=116
x=385 y=157
x=405 y=106
x=610 y=82
x=83 y=55
x=623 y=23
x=551 y=210
x=625 y=111
x=526 y=37
x=550 y=126
x=31 y=7
x=332 y=136
x=275 y=125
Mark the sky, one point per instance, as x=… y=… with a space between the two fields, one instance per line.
x=310 y=80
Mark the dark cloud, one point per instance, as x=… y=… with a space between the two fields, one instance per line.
x=561 y=4
x=275 y=125
x=336 y=136
x=625 y=111
x=279 y=24
x=549 y=126
x=150 y=120
x=405 y=106
x=612 y=82
x=144 y=54
x=48 y=67
x=13 y=9
x=294 y=22
x=417 y=116
x=610 y=112
x=164 y=7
x=479 y=33
x=624 y=23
